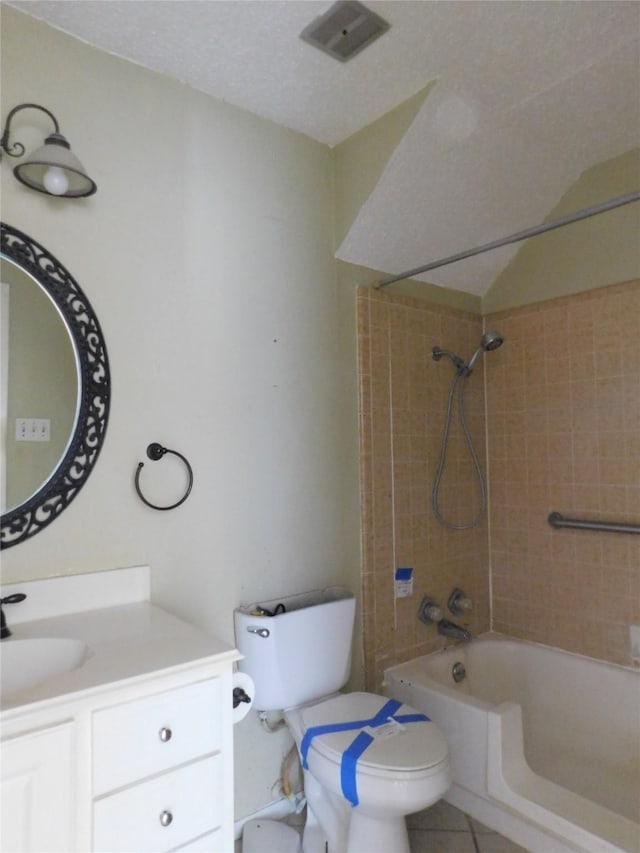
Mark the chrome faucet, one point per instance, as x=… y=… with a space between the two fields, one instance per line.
x=450 y=629
x=9 y=599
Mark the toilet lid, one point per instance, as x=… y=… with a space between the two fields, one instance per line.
x=405 y=746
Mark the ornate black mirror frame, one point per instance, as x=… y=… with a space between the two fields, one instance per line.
x=85 y=444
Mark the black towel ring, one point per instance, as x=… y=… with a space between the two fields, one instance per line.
x=156 y=451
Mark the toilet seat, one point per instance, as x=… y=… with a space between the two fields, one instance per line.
x=410 y=747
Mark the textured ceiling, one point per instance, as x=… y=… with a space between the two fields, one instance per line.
x=528 y=95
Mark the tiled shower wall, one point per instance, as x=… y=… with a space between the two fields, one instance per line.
x=563 y=405
x=403 y=395
x=563 y=433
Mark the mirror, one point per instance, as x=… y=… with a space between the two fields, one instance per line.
x=56 y=387
x=40 y=381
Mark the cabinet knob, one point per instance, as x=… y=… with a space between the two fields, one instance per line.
x=166 y=817
x=165 y=734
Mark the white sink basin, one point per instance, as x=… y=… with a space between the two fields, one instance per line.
x=27 y=663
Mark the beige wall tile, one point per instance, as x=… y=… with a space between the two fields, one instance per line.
x=402 y=423
x=583 y=460
x=563 y=434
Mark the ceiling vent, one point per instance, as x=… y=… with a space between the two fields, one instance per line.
x=345 y=29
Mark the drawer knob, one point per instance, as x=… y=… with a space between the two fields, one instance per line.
x=165 y=734
x=166 y=817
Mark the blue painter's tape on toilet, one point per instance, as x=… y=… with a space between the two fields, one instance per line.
x=361 y=742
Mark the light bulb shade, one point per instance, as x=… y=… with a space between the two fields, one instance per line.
x=55 y=154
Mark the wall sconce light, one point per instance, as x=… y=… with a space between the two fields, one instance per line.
x=52 y=169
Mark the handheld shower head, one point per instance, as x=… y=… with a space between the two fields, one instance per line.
x=490 y=341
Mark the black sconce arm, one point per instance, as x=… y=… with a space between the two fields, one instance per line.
x=17 y=149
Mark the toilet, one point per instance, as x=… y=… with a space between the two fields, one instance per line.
x=368 y=761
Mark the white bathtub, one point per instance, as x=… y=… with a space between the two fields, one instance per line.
x=545 y=745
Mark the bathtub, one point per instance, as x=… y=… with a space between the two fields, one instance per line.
x=545 y=745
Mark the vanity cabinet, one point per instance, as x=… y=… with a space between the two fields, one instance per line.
x=146 y=767
x=129 y=748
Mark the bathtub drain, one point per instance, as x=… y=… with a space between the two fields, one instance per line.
x=458 y=672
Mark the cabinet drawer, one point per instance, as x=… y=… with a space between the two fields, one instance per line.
x=140 y=738
x=132 y=819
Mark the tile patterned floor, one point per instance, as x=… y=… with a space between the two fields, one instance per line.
x=445 y=829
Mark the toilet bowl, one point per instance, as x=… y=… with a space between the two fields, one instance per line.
x=367 y=760
x=403 y=768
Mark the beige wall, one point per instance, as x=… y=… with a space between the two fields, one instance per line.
x=360 y=160
x=601 y=250
x=207 y=254
x=403 y=395
x=563 y=403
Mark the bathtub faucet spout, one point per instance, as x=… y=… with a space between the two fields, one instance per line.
x=450 y=629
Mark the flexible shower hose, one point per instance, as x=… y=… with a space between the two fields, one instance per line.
x=443 y=457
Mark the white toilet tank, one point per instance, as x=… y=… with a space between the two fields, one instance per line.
x=300 y=654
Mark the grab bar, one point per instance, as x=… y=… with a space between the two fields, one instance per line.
x=557 y=520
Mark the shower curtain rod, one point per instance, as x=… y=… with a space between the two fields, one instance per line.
x=576 y=216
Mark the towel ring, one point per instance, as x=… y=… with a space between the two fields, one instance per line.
x=156 y=451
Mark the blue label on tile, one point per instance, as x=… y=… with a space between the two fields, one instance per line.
x=404 y=582
x=404 y=574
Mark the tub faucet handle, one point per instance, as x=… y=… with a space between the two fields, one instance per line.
x=429 y=611
x=459 y=602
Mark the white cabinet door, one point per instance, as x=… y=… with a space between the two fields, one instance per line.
x=37 y=791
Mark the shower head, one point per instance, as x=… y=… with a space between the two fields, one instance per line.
x=490 y=341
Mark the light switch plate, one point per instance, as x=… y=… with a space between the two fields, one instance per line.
x=33 y=429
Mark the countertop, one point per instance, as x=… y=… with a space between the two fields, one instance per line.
x=124 y=642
